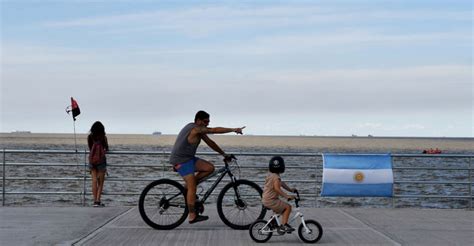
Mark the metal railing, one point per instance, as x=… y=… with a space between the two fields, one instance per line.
x=80 y=161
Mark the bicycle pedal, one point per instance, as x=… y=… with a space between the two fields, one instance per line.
x=280 y=232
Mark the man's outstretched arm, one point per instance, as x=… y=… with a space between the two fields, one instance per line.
x=217 y=130
x=220 y=130
x=212 y=145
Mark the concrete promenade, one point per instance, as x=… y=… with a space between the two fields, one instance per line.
x=124 y=226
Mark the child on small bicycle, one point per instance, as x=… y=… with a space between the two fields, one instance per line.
x=272 y=192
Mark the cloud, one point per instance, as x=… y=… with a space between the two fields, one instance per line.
x=18 y=54
x=389 y=127
x=212 y=19
x=290 y=89
x=306 y=43
x=302 y=62
x=312 y=42
x=370 y=125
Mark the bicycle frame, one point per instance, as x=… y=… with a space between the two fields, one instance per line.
x=275 y=216
x=225 y=170
x=222 y=171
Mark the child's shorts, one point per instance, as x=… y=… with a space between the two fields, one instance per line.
x=276 y=205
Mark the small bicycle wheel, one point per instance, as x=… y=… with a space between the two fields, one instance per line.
x=257 y=233
x=313 y=235
x=162 y=204
x=239 y=204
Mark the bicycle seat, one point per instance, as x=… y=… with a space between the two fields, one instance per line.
x=267 y=208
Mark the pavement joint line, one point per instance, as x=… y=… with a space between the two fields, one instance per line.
x=127 y=227
x=101 y=228
x=201 y=228
x=372 y=229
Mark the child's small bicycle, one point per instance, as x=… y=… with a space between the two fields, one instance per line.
x=310 y=231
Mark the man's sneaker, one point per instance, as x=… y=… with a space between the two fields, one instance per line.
x=96 y=204
x=287 y=228
x=199 y=218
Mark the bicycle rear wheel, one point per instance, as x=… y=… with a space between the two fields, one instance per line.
x=239 y=204
x=259 y=232
x=162 y=204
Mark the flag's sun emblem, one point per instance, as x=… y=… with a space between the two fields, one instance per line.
x=358 y=177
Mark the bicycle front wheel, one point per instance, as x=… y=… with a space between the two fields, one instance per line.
x=240 y=204
x=162 y=204
x=314 y=232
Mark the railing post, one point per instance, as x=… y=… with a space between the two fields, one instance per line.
x=470 y=183
x=393 y=184
x=84 y=180
x=163 y=170
x=316 y=184
x=3 y=179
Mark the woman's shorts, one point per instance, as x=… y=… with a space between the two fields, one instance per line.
x=186 y=168
x=100 y=167
x=276 y=205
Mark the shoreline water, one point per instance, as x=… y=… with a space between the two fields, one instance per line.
x=389 y=144
x=143 y=167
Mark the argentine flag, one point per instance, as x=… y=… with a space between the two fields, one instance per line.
x=357 y=175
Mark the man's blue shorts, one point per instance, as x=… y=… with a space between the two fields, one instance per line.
x=186 y=168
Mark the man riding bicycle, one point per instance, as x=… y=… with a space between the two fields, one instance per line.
x=184 y=160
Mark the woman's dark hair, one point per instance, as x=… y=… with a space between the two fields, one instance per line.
x=97 y=135
x=201 y=115
x=97 y=129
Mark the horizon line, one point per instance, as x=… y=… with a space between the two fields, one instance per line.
x=253 y=135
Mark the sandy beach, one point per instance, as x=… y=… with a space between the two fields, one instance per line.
x=293 y=142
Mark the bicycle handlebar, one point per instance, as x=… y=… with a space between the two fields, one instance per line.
x=297 y=199
x=229 y=158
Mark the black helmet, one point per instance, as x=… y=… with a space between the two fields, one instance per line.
x=277 y=165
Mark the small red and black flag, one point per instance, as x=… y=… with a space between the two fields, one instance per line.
x=74 y=108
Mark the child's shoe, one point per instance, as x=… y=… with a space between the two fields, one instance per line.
x=287 y=228
x=273 y=224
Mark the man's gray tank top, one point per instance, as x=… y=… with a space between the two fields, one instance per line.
x=183 y=151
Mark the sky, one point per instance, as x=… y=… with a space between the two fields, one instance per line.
x=325 y=68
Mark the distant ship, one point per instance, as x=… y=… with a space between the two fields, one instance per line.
x=21 y=132
x=432 y=151
x=156 y=133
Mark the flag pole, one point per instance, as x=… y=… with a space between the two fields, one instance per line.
x=74 y=108
x=75 y=141
x=75 y=148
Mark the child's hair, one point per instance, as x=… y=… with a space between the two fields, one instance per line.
x=276 y=165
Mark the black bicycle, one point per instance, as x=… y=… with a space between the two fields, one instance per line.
x=162 y=203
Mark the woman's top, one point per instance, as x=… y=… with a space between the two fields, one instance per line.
x=102 y=139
